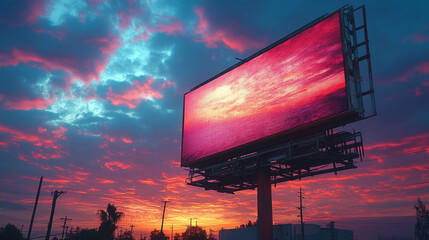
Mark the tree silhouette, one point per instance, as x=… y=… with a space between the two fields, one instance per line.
x=127 y=235
x=109 y=219
x=194 y=233
x=177 y=236
x=10 y=232
x=422 y=224
x=157 y=235
x=82 y=234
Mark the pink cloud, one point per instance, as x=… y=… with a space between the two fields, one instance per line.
x=45 y=141
x=421 y=68
x=211 y=37
x=406 y=145
x=56 y=34
x=91 y=70
x=126 y=140
x=109 y=138
x=133 y=96
x=172 y=28
x=27 y=103
x=100 y=180
x=124 y=20
x=59 y=133
x=28 y=14
x=107 y=45
x=126 y=16
x=420 y=38
x=36 y=9
x=41 y=129
x=142 y=36
x=112 y=166
x=148 y=182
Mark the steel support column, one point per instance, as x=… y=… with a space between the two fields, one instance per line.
x=265 y=208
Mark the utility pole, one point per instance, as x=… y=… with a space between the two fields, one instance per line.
x=300 y=212
x=190 y=222
x=22 y=226
x=163 y=214
x=56 y=194
x=34 y=209
x=132 y=227
x=64 y=226
x=172 y=236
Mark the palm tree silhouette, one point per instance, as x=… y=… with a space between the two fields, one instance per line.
x=108 y=219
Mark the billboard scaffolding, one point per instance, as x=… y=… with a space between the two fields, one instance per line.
x=319 y=154
x=280 y=152
x=284 y=130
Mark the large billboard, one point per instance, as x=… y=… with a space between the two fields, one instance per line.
x=298 y=82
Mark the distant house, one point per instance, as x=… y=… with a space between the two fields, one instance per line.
x=289 y=232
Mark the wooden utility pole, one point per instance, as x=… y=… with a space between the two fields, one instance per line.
x=163 y=214
x=300 y=212
x=64 y=226
x=56 y=194
x=34 y=209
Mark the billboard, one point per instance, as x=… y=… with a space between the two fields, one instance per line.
x=298 y=82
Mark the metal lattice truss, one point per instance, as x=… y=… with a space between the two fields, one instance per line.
x=323 y=153
x=355 y=41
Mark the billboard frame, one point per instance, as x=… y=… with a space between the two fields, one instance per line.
x=355 y=111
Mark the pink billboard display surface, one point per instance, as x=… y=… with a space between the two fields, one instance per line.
x=298 y=82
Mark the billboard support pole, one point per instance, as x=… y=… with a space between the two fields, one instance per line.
x=265 y=208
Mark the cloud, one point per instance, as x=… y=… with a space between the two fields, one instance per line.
x=13 y=206
x=22 y=12
x=211 y=37
x=148 y=182
x=45 y=140
x=173 y=28
x=104 y=181
x=134 y=94
x=112 y=166
x=28 y=104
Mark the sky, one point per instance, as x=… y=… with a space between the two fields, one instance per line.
x=91 y=96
